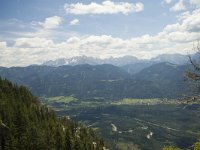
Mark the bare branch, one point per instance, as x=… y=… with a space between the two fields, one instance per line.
x=194 y=64
x=192 y=76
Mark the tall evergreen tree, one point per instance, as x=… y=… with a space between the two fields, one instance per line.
x=27 y=125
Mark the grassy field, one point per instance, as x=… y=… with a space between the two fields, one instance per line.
x=62 y=99
x=58 y=99
x=129 y=101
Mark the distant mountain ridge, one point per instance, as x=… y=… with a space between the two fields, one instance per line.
x=120 y=61
x=177 y=59
x=103 y=82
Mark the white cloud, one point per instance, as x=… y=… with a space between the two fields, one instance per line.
x=3 y=45
x=178 y=6
x=33 y=42
x=168 y=1
x=74 y=22
x=175 y=38
x=106 y=7
x=51 y=22
x=189 y=22
x=195 y=2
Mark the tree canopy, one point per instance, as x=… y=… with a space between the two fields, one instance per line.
x=26 y=124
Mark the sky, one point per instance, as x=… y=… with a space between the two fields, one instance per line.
x=32 y=32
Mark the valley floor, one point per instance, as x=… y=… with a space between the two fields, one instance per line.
x=135 y=123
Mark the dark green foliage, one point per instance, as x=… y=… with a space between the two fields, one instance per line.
x=27 y=125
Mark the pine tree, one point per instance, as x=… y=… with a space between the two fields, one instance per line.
x=27 y=125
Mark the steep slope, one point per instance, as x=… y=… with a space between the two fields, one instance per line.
x=83 y=81
x=137 y=67
x=25 y=124
x=159 y=80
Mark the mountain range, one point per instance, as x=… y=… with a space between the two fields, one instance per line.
x=103 y=82
x=120 y=61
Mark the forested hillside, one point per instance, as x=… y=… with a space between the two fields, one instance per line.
x=25 y=124
x=102 y=82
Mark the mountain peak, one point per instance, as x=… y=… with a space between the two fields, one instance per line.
x=176 y=58
x=77 y=60
x=172 y=58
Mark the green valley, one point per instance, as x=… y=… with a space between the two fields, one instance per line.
x=137 y=123
x=150 y=109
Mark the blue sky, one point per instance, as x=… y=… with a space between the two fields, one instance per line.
x=32 y=32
